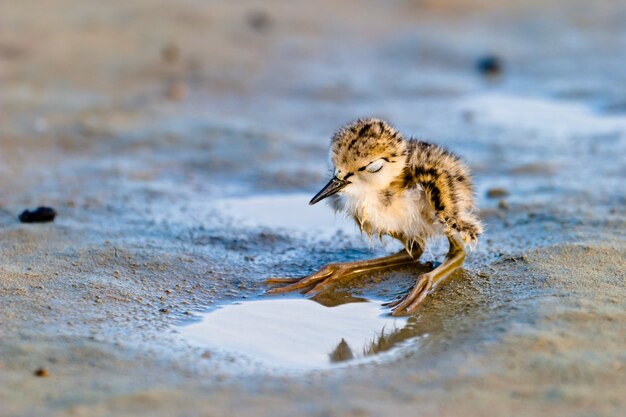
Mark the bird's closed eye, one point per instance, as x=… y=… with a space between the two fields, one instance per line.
x=375 y=166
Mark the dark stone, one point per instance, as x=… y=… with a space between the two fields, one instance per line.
x=259 y=20
x=170 y=53
x=489 y=65
x=497 y=192
x=40 y=215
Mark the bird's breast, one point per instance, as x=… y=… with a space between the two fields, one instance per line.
x=406 y=213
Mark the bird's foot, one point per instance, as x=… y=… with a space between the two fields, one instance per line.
x=322 y=279
x=411 y=301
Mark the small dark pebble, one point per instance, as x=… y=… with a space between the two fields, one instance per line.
x=497 y=192
x=41 y=372
x=40 y=215
x=177 y=91
x=503 y=205
x=8 y=51
x=164 y=310
x=489 y=65
x=259 y=20
x=170 y=53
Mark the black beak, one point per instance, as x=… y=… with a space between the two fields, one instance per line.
x=334 y=186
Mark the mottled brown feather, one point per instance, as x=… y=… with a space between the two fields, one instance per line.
x=424 y=167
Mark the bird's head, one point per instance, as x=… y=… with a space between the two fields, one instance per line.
x=366 y=154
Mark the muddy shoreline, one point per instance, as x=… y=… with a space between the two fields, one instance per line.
x=151 y=155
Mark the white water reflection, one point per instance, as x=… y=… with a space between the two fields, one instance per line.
x=298 y=334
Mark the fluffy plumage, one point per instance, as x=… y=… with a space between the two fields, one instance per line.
x=419 y=191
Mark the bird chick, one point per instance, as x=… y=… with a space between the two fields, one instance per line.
x=405 y=188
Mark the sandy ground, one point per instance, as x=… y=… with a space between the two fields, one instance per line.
x=133 y=120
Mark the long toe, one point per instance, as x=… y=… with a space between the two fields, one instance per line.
x=287 y=288
x=416 y=303
x=417 y=294
x=300 y=283
x=393 y=303
x=327 y=282
x=281 y=280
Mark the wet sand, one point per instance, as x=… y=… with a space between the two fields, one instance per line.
x=150 y=126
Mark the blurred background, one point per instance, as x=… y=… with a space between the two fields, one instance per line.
x=240 y=97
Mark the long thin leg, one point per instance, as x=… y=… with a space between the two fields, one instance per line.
x=428 y=281
x=334 y=272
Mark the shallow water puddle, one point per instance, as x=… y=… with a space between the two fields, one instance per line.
x=557 y=118
x=299 y=334
x=288 y=212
